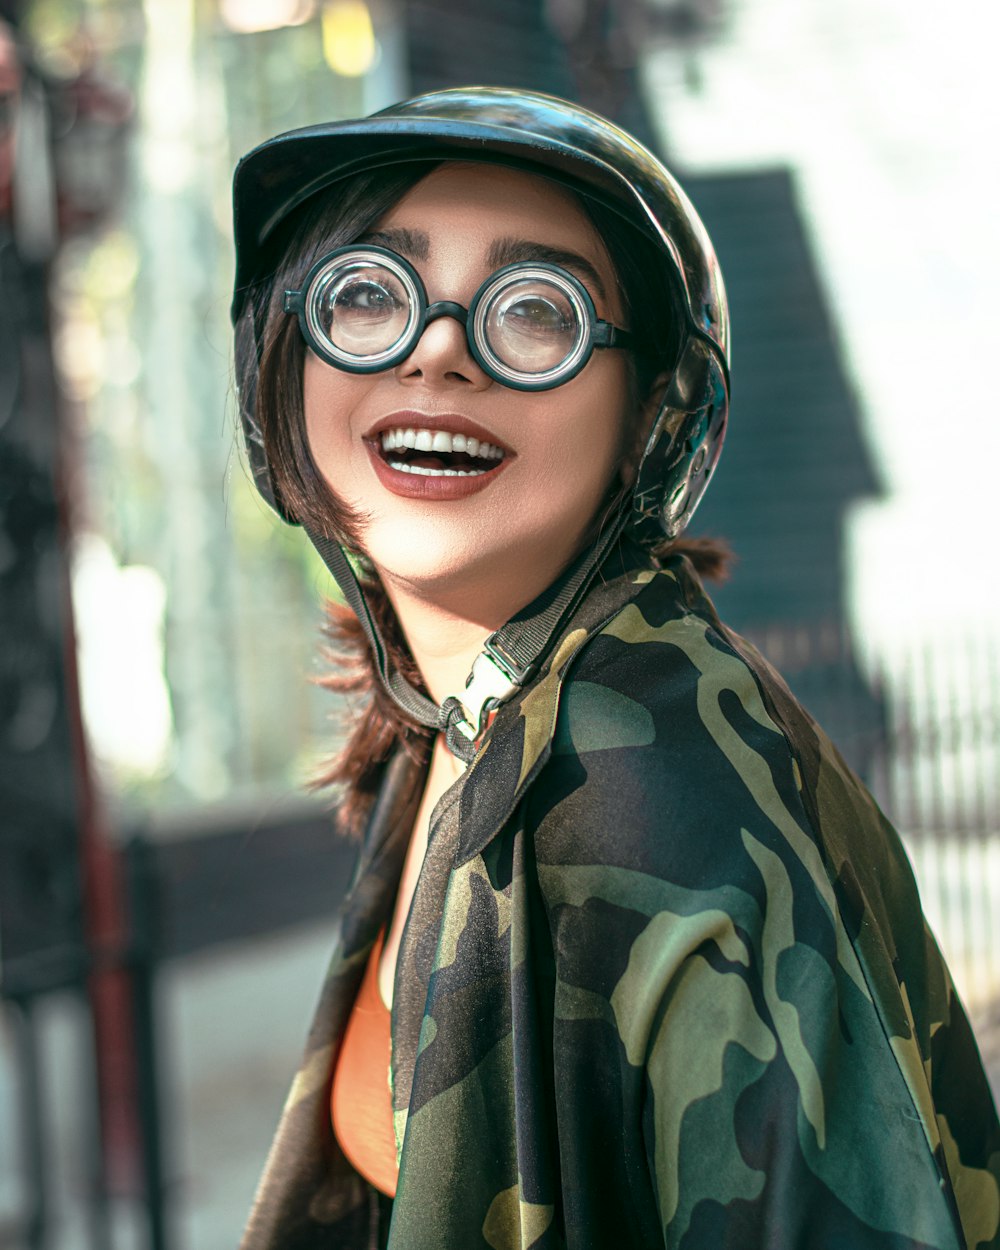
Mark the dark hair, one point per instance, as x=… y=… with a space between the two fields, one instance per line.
x=270 y=357
x=270 y=351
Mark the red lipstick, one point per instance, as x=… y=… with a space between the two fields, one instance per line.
x=476 y=473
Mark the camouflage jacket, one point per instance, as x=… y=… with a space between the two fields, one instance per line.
x=665 y=981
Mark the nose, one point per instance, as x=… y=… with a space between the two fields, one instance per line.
x=441 y=355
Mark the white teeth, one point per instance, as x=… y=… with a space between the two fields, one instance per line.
x=403 y=467
x=440 y=441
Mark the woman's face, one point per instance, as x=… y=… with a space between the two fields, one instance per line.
x=552 y=454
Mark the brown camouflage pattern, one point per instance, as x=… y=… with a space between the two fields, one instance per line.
x=665 y=981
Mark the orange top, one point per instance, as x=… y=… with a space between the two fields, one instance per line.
x=361 y=1101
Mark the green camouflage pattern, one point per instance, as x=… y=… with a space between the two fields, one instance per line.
x=665 y=981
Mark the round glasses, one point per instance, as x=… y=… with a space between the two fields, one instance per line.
x=531 y=325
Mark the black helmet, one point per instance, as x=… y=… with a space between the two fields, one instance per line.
x=559 y=140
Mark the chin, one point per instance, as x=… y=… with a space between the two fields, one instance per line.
x=476 y=560
x=428 y=561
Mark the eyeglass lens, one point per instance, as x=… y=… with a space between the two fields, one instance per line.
x=363 y=309
x=531 y=326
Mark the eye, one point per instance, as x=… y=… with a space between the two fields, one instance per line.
x=367 y=298
x=534 y=314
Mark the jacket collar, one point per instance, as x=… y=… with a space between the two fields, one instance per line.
x=520 y=740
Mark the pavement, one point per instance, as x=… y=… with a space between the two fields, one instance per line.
x=232 y=1023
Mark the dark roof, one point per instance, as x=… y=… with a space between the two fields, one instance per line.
x=517 y=44
x=499 y=45
x=795 y=457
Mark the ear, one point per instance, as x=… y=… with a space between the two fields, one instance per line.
x=638 y=432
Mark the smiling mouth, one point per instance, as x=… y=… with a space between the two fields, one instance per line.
x=437 y=453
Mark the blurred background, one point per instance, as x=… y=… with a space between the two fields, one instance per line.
x=166 y=887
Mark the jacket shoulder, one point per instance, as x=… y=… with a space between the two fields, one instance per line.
x=709 y=863
x=667 y=721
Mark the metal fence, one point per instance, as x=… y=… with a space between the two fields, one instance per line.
x=921 y=725
x=941 y=784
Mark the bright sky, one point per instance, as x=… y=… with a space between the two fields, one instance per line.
x=889 y=112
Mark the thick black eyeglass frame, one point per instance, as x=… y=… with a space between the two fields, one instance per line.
x=595 y=332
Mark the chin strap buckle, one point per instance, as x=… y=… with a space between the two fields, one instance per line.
x=463 y=718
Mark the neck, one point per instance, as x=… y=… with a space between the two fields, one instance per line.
x=444 y=638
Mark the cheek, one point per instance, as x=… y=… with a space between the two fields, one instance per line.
x=329 y=398
x=592 y=434
x=610 y=425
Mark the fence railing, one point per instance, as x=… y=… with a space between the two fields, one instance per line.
x=921 y=724
x=941 y=784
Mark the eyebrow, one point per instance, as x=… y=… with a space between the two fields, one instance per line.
x=510 y=251
x=413 y=244
x=416 y=245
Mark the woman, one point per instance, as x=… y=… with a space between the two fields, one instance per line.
x=656 y=966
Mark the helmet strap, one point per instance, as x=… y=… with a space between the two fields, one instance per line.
x=416 y=705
